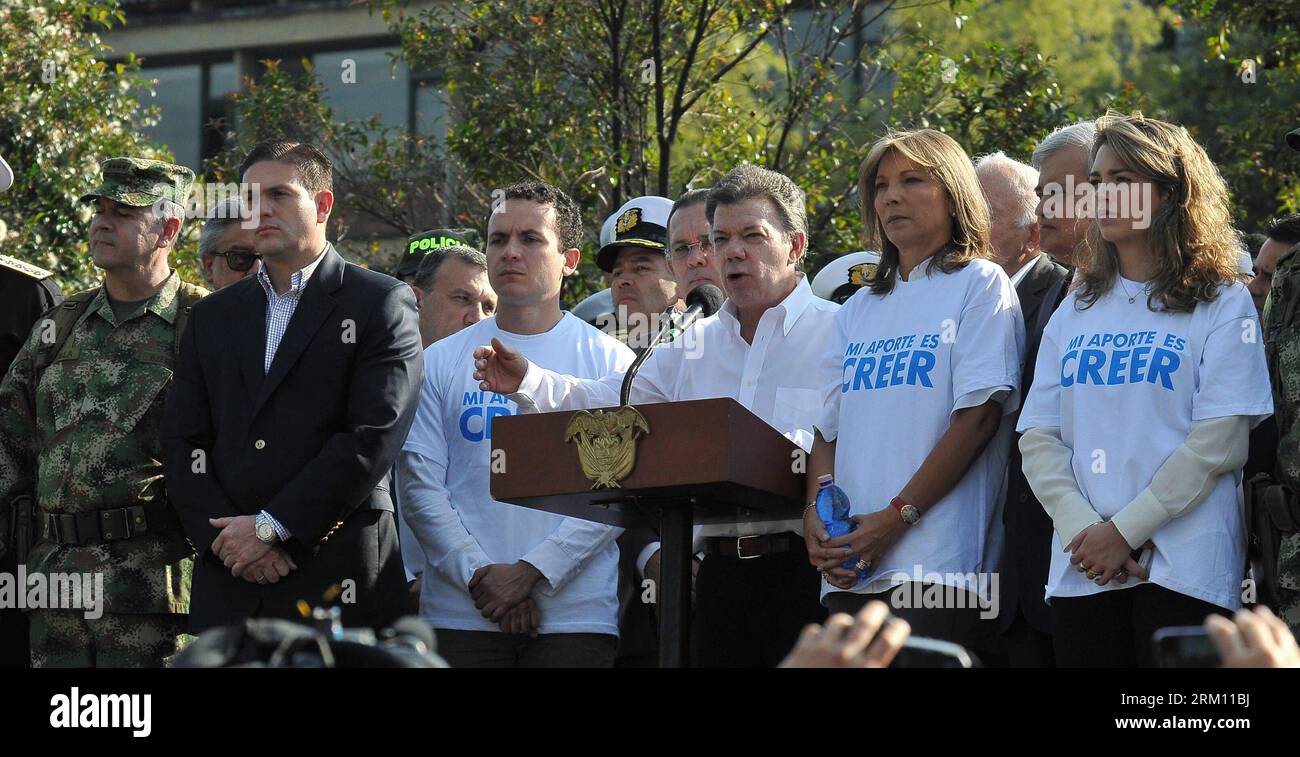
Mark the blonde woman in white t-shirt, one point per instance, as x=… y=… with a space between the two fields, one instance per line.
x=1149 y=378
x=914 y=431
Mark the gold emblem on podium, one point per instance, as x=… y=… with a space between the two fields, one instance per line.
x=607 y=443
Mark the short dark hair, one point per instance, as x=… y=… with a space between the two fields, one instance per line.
x=427 y=273
x=568 y=216
x=688 y=198
x=1285 y=229
x=314 y=169
x=748 y=181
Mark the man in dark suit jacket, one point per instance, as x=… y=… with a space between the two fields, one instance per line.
x=293 y=393
x=1041 y=283
x=1025 y=617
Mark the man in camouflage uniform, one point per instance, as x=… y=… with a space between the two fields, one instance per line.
x=1282 y=336
x=79 y=430
x=1282 y=340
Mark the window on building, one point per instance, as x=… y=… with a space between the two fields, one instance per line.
x=362 y=83
x=178 y=95
x=431 y=118
x=218 y=110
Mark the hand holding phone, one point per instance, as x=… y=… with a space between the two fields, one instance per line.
x=1138 y=565
x=1257 y=639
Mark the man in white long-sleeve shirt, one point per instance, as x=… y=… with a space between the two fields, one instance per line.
x=506 y=586
x=769 y=349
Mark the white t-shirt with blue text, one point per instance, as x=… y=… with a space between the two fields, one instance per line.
x=446 y=502
x=1124 y=384
x=938 y=343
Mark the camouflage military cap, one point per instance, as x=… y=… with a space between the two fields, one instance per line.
x=140 y=183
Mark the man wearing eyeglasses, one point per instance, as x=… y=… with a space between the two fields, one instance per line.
x=633 y=242
x=690 y=253
x=768 y=348
x=226 y=246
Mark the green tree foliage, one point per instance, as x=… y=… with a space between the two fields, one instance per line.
x=62 y=111
x=1237 y=87
x=1095 y=46
x=387 y=181
x=610 y=99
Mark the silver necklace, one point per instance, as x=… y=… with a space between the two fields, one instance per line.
x=1131 y=297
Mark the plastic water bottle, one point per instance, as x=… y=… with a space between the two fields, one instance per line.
x=833 y=509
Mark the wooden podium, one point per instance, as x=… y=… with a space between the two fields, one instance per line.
x=703 y=461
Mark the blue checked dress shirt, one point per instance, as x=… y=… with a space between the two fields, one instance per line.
x=279 y=310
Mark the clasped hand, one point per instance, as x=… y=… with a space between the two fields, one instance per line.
x=247 y=556
x=1101 y=553
x=874 y=536
x=502 y=593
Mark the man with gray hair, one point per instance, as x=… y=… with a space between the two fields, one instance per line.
x=226 y=245
x=1017 y=228
x=1062 y=162
x=768 y=348
x=1008 y=187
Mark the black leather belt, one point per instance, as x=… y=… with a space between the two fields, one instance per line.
x=747 y=547
x=107 y=525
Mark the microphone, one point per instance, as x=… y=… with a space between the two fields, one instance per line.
x=703 y=301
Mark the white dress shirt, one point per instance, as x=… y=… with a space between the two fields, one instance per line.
x=782 y=377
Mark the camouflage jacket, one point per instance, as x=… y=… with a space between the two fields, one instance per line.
x=91 y=443
x=1282 y=340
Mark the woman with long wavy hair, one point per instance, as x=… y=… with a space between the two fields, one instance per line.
x=1150 y=376
x=931 y=354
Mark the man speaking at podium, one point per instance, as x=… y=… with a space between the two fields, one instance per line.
x=768 y=349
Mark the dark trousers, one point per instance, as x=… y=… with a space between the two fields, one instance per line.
x=959 y=625
x=1028 y=647
x=1113 y=629
x=748 y=613
x=491 y=649
x=15 y=651
x=364 y=551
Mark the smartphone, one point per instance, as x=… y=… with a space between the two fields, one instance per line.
x=920 y=652
x=1184 y=647
x=1142 y=556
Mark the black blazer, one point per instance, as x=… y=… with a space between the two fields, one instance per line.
x=1028 y=542
x=311 y=441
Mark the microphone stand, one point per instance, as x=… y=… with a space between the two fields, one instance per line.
x=625 y=392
